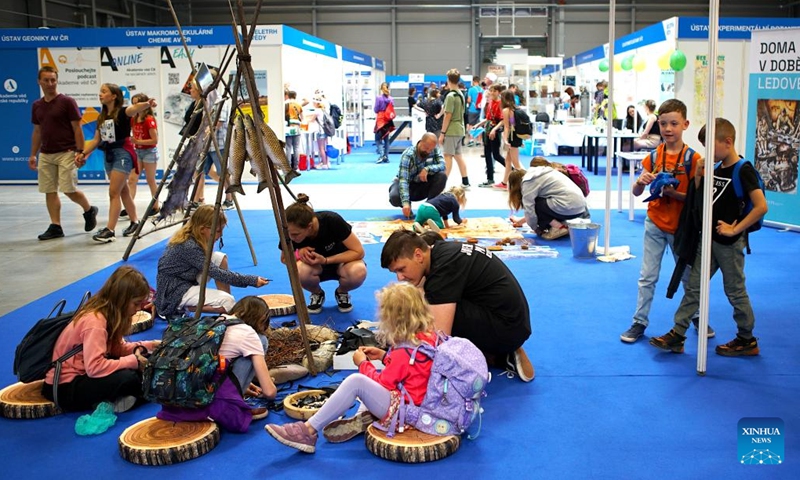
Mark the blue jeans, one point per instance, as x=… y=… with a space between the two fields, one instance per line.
x=243 y=367
x=118 y=159
x=729 y=259
x=655 y=244
x=382 y=144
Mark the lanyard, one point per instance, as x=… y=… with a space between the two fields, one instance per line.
x=677 y=164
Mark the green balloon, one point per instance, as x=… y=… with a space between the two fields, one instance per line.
x=627 y=63
x=603 y=65
x=677 y=61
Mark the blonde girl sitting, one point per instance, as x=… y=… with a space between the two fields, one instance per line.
x=404 y=318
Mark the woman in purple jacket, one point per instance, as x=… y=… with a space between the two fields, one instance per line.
x=384 y=108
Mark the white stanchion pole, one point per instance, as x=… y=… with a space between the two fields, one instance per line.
x=708 y=191
x=612 y=18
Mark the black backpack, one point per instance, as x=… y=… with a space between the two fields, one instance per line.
x=186 y=370
x=34 y=355
x=522 y=124
x=336 y=115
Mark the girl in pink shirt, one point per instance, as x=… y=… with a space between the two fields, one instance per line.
x=108 y=368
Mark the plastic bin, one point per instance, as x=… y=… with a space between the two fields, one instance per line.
x=583 y=236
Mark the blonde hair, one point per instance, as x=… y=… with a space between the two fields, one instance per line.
x=253 y=311
x=202 y=217
x=112 y=300
x=403 y=313
x=515 y=188
x=461 y=195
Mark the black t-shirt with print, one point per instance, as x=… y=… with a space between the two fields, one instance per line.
x=462 y=271
x=333 y=231
x=113 y=132
x=727 y=206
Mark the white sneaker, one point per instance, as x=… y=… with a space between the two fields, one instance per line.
x=432 y=225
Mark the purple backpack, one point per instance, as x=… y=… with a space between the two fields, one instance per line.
x=456 y=386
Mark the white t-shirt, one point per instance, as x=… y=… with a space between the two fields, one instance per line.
x=240 y=341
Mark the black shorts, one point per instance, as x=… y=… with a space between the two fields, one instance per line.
x=514 y=140
x=329 y=272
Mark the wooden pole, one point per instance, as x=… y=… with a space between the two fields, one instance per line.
x=243 y=47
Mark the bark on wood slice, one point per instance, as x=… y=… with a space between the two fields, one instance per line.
x=411 y=446
x=279 y=304
x=159 y=442
x=141 y=321
x=25 y=401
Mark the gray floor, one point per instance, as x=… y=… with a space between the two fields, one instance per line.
x=32 y=269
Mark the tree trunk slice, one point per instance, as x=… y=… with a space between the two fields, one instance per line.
x=279 y=304
x=141 y=321
x=159 y=442
x=411 y=446
x=25 y=401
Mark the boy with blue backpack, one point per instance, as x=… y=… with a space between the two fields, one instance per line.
x=738 y=208
x=663 y=213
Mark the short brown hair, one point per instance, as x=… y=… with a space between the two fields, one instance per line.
x=48 y=69
x=722 y=129
x=453 y=75
x=673 y=105
x=401 y=244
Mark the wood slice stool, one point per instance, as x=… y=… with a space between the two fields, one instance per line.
x=279 y=304
x=25 y=401
x=411 y=446
x=141 y=321
x=159 y=442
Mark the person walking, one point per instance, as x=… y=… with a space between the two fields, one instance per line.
x=55 y=142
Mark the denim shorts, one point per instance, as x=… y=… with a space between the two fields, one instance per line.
x=118 y=159
x=147 y=155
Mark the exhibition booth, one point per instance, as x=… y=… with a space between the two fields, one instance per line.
x=153 y=61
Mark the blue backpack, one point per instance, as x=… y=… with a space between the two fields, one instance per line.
x=687 y=159
x=456 y=386
x=747 y=204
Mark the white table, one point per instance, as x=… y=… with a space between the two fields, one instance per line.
x=634 y=159
x=568 y=135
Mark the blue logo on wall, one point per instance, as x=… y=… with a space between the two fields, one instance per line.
x=761 y=441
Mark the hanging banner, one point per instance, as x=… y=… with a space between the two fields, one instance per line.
x=18 y=92
x=773 y=122
x=701 y=86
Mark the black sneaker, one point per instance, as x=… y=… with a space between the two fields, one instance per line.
x=228 y=204
x=104 y=235
x=90 y=219
x=487 y=184
x=632 y=334
x=123 y=404
x=123 y=213
x=152 y=212
x=672 y=341
x=131 y=229
x=739 y=347
x=518 y=363
x=53 y=231
x=317 y=299
x=343 y=301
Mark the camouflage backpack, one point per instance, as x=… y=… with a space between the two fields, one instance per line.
x=186 y=369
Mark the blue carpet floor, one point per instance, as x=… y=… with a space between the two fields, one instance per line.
x=598 y=408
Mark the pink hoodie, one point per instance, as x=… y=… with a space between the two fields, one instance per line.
x=96 y=360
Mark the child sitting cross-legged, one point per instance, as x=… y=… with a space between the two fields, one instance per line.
x=244 y=347
x=404 y=318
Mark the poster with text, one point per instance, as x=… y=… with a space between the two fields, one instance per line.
x=175 y=71
x=773 y=120
x=18 y=92
x=701 y=86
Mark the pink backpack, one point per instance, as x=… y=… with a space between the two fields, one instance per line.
x=575 y=174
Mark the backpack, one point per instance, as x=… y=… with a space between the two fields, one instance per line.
x=336 y=115
x=186 y=370
x=522 y=127
x=327 y=125
x=687 y=159
x=34 y=355
x=576 y=175
x=456 y=386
